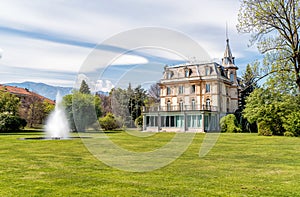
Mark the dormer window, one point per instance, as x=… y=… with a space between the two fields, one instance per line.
x=169 y=74
x=207 y=71
x=187 y=72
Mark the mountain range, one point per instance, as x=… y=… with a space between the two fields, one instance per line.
x=45 y=90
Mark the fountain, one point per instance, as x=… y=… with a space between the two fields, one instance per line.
x=57 y=126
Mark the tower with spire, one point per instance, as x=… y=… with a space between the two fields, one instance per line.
x=229 y=64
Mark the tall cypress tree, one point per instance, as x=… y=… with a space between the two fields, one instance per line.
x=84 y=88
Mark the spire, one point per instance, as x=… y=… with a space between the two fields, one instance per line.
x=228 y=59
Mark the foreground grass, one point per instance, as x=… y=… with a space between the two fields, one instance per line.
x=238 y=165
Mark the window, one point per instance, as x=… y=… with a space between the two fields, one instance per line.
x=169 y=105
x=207 y=104
x=168 y=90
x=170 y=74
x=180 y=90
x=181 y=105
x=193 y=104
x=187 y=72
x=193 y=88
x=231 y=77
x=207 y=71
x=207 y=87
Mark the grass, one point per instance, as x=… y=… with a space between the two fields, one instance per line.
x=238 y=165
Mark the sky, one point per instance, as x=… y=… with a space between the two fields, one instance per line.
x=50 y=41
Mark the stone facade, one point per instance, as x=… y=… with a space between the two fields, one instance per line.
x=193 y=97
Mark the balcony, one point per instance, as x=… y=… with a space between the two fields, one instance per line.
x=178 y=108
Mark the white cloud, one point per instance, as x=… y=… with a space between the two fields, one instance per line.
x=104 y=85
x=95 y=86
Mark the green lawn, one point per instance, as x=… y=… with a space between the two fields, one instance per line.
x=238 y=165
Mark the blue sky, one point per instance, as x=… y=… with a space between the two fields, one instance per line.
x=48 y=41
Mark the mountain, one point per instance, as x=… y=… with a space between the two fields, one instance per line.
x=45 y=90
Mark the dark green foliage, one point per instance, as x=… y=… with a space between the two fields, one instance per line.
x=128 y=103
x=275 y=112
x=82 y=110
x=9 y=118
x=84 y=88
x=136 y=102
x=108 y=122
x=9 y=103
x=264 y=129
x=139 y=121
x=10 y=122
x=292 y=123
x=247 y=84
x=229 y=124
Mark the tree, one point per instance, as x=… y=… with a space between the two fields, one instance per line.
x=154 y=93
x=229 y=124
x=105 y=103
x=139 y=122
x=119 y=105
x=274 y=25
x=9 y=103
x=108 y=122
x=36 y=113
x=10 y=122
x=136 y=102
x=79 y=110
x=9 y=117
x=271 y=110
x=247 y=84
x=84 y=88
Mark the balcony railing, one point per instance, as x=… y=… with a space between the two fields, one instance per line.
x=179 y=107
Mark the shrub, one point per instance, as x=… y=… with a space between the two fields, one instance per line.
x=108 y=122
x=292 y=123
x=289 y=134
x=9 y=122
x=264 y=129
x=229 y=124
x=139 y=122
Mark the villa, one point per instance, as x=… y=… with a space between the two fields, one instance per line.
x=194 y=97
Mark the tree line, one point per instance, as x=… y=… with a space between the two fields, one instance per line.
x=121 y=108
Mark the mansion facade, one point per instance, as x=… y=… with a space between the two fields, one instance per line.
x=194 y=97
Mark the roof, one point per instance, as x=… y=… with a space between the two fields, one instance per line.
x=23 y=92
x=228 y=59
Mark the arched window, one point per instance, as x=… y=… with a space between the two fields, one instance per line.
x=169 y=105
x=193 y=104
x=208 y=104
